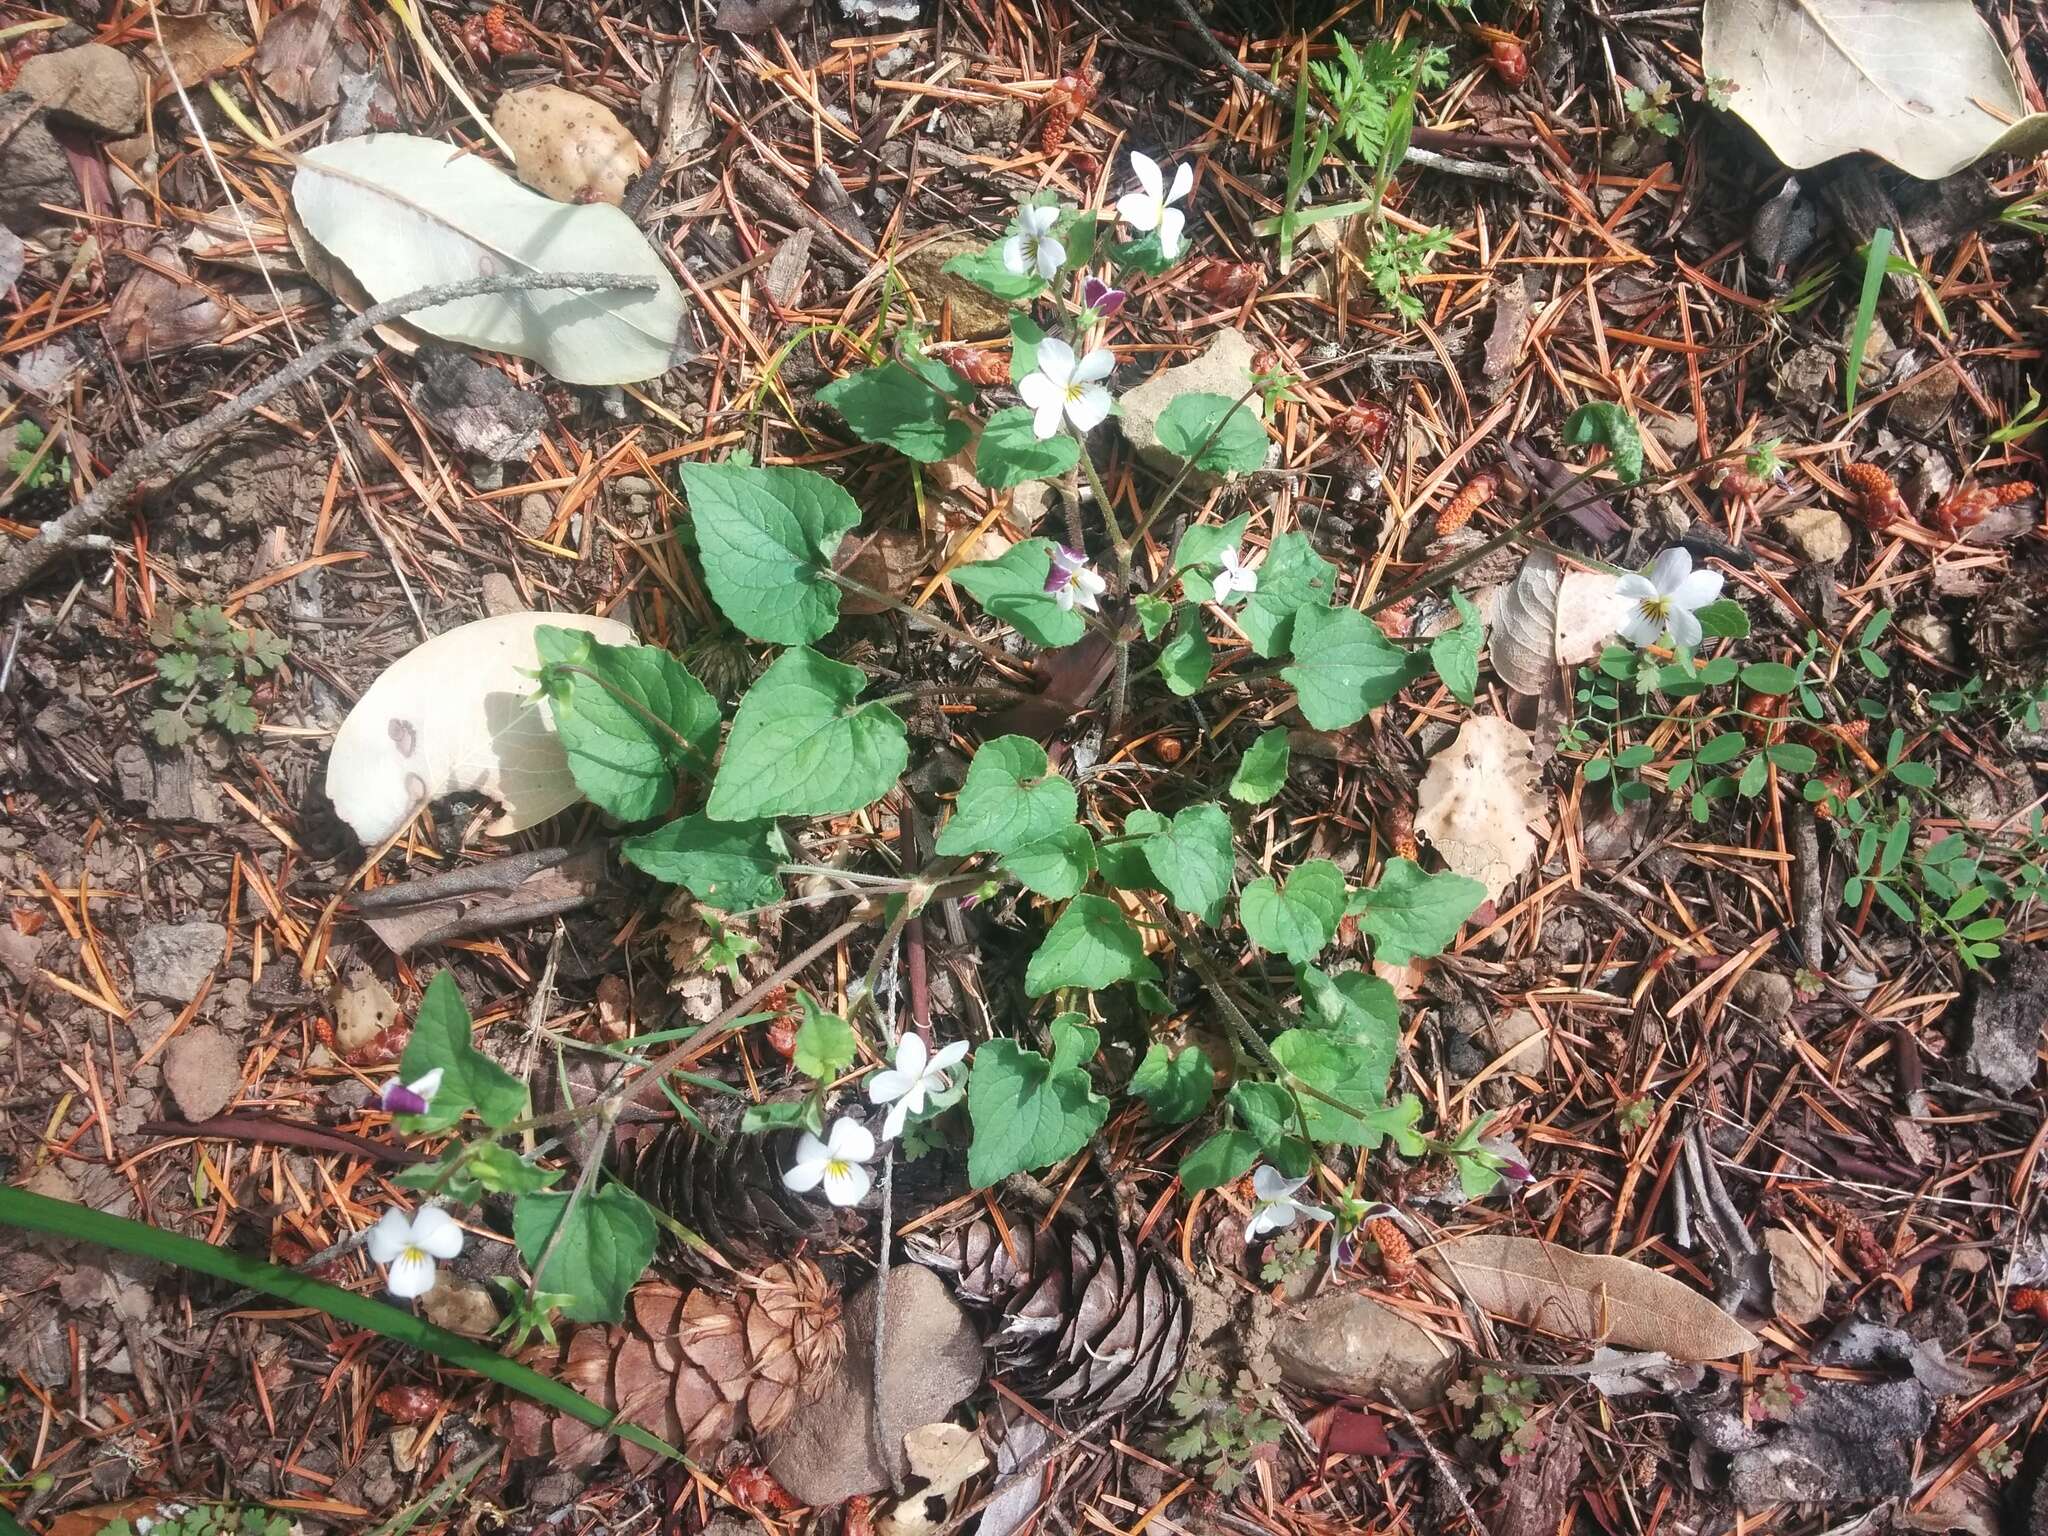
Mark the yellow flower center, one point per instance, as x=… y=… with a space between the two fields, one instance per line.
x=413 y=1256
x=837 y=1168
x=1656 y=609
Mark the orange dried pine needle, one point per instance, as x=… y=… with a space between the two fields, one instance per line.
x=1397 y=1254
x=1471 y=497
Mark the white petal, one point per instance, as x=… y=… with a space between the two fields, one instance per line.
x=1146 y=169
x=1096 y=365
x=911 y=1054
x=803 y=1175
x=1183 y=182
x=427 y=1084
x=1670 y=568
x=1046 y=423
x=1038 y=220
x=1084 y=599
x=1051 y=257
x=1039 y=391
x=1056 y=360
x=411 y=1275
x=1640 y=629
x=887 y=1085
x=947 y=1056
x=1685 y=629
x=1065 y=598
x=1089 y=584
x=1089 y=409
x=851 y=1141
x=892 y=1124
x=1264 y=1219
x=1015 y=258
x=1697 y=590
x=846 y=1185
x=1170 y=223
x=1317 y=1211
x=436 y=1231
x=1269 y=1183
x=1138 y=210
x=1632 y=586
x=388 y=1239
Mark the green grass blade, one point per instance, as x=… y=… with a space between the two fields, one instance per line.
x=37 y=1213
x=1874 y=262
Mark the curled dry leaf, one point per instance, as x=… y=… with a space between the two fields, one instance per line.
x=568 y=146
x=458 y=713
x=1593 y=1298
x=1589 y=612
x=1799 y=1277
x=1477 y=802
x=404 y=213
x=1523 y=641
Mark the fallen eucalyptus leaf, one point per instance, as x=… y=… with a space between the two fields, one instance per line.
x=1923 y=83
x=404 y=213
x=1588 y=1297
x=1523 y=643
x=458 y=713
x=1477 y=801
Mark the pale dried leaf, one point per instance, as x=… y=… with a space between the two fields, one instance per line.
x=945 y=1455
x=1478 y=800
x=1588 y=1297
x=1589 y=611
x=195 y=49
x=1523 y=641
x=458 y=713
x=568 y=146
x=1799 y=1278
x=1923 y=83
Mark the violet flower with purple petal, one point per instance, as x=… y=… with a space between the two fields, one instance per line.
x=1102 y=300
x=413 y=1098
x=1071 y=580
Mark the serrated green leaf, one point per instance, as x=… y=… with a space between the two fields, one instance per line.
x=1175 y=1085
x=180 y=669
x=1292 y=577
x=1266 y=1110
x=824 y=1042
x=801 y=744
x=1029 y=1112
x=1723 y=619
x=498 y=1170
x=1454 y=652
x=1263 y=769
x=1011 y=452
x=1240 y=442
x=1025 y=335
x=1010 y=798
x=1602 y=421
x=1355 y=1007
x=606 y=1244
x=766 y=538
x=630 y=718
x=1122 y=859
x=1298 y=919
x=892 y=405
x=1054 y=867
x=1013 y=589
x=470 y=1080
x=1153 y=614
x=1343 y=667
x=1225 y=1156
x=1411 y=913
x=730 y=865
x=1345 y=1071
x=984 y=268
x=1185 y=660
x=1091 y=946
x=1193 y=860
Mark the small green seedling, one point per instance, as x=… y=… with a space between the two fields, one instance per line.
x=206 y=666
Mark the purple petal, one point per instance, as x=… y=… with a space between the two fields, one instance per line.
x=1517 y=1172
x=397 y=1099
x=1102 y=298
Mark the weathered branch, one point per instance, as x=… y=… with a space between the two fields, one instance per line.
x=105 y=501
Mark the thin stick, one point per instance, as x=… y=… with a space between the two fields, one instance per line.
x=104 y=502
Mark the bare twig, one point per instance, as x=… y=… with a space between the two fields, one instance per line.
x=104 y=502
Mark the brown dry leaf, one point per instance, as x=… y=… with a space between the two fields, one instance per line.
x=1478 y=800
x=1589 y=611
x=1799 y=1277
x=568 y=146
x=1588 y=1297
x=890 y=560
x=1523 y=641
x=195 y=49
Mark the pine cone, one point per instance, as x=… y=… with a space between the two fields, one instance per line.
x=1090 y=1325
x=729 y=1191
x=697 y=1368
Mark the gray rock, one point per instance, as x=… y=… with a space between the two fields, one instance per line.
x=1347 y=1344
x=1521 y=1037
x=1225 y=369
x=1819 y=536
x=1765 y=995
x=1922 y=403
x=975 y=312
x=34 y=169
x=202 y=1070
x=171 y=961
x=826 y=1453
x=2006 y=1016
x=94 y=85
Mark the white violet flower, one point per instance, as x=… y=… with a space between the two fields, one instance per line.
x=1277 y=1206
x=408 y=1245
x=1032 y=248
x=1065 y=385
x=413 y=1098
x=1235 y=576
x=835 y=1163
x=917 y=1074
x=1151 y=206
x=1669 y=595
x=1070 y=580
